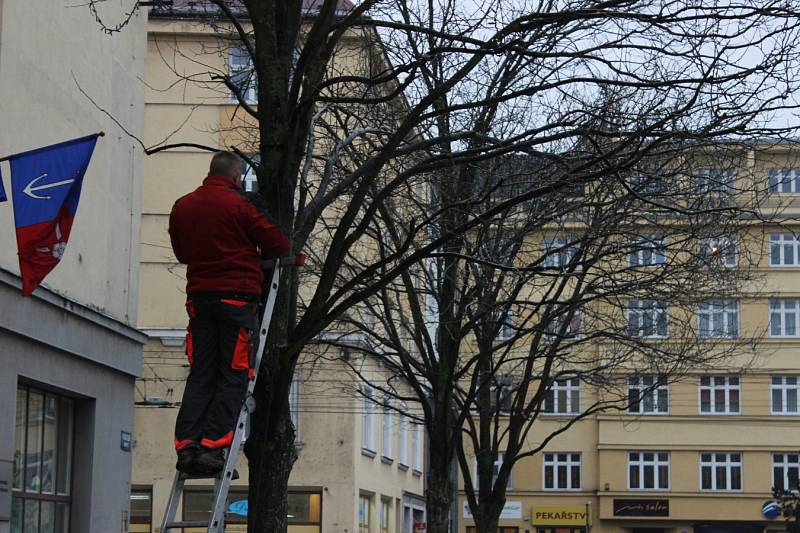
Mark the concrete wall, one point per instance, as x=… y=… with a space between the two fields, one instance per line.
x=46 y=52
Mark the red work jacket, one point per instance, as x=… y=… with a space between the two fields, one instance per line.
x=217 y=233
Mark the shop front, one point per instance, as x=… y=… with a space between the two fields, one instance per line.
x=560 y=519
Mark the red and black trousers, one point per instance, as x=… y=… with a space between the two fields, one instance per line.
x=220 y=347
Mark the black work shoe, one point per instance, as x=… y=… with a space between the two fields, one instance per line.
x=186 y=458
x=208 y=461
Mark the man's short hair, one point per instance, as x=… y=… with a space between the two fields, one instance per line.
x=226 y=163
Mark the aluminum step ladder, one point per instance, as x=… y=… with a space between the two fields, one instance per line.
x=222 y=480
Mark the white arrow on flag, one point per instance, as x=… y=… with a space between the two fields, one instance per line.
x=29 y=188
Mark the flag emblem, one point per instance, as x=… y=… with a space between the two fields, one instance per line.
x=46 y=187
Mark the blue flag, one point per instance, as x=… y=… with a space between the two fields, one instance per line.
x=3 y=196
x=46 y=187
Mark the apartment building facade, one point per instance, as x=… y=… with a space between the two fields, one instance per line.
x=70 y=352
x=700 y=454
x=358 y=468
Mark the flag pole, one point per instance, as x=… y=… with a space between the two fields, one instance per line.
x=6 y=158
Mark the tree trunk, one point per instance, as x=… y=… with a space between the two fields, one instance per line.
x=439 y=493
x=271 y=459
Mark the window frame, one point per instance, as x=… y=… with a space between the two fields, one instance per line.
x=727 y=246
x=782 y=311
x=775 y=179
x=639 y=307
x=640 y=386
x=22 y=492
x=727 y=464
x=250 y=93
x=657 y=462
x=402 y=445
x=569 y=464
x=416 y=445
x=786 y=466
x=496 y=465
x=387 y=451
x=559 y=250
x=570 y=385
x=783 y=388
x=729 y=306
x=364 y=526
x=726 y=387
x=368 y=421
x=714 y=180
x=640 y=245
x=781 y=242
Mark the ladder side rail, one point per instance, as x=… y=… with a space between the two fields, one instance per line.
x=172 y=503
x=266 y=320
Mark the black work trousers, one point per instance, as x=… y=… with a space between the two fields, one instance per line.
x=219 y=346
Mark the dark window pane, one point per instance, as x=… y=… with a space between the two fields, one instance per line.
x=649 y=477
x=736 y=478
x=548 y=477
x=722 y=480
x=49 y=447
x=705 y=401
x=33 y=464
x=19 y=438
x=30 y=522
x=705 y=475
x=633 y=474
x=16 y=515
x=48 y=517
x=663 y=477
x=141 y=505
x=777 y=477
x=562 y=477
x=576 y=477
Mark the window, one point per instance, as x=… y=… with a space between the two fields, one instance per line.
x=141 y=517
x=368 y=421
x=785 y=395
x=562 y=471
x=783 y=180
x=363 y=513
x=647 y=318
x=42 y=467
x=785 y=468
x=294 y=405
x=784 y=318
x=249 y=179
x=647 y=184
x=242 y=74
x=385 y=515
x=718 y=318
x=559 y=315
x=506 y=330
x=648 y=470
x=719 y=395
x=402 y=441
x=648 y=250
x=502 y=393
x=715 y=180
x=721 y=471
x=563 y=397
x=197 y=503
x=416 y=448
x=559 y=251
x=719 y=251
x=496 y=465
x=386 y=430
x=647 y=396
x=784 y=249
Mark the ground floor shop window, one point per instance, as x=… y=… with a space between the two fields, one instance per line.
x=141 y=517
x=556 y=529
x=500 y=529
x=304 y=509
x=363 y=513
x=42 y=471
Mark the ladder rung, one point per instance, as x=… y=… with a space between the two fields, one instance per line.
x=187 y=523
x=201 y=476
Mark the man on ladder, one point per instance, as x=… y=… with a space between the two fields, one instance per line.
x=218 y=234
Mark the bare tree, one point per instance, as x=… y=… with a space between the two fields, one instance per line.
x=388 y=107
x=613 y=281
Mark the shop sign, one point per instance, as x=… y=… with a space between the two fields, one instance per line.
x=420 y=527
x=641 y=507
x=511 y=511
x=558 y=515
